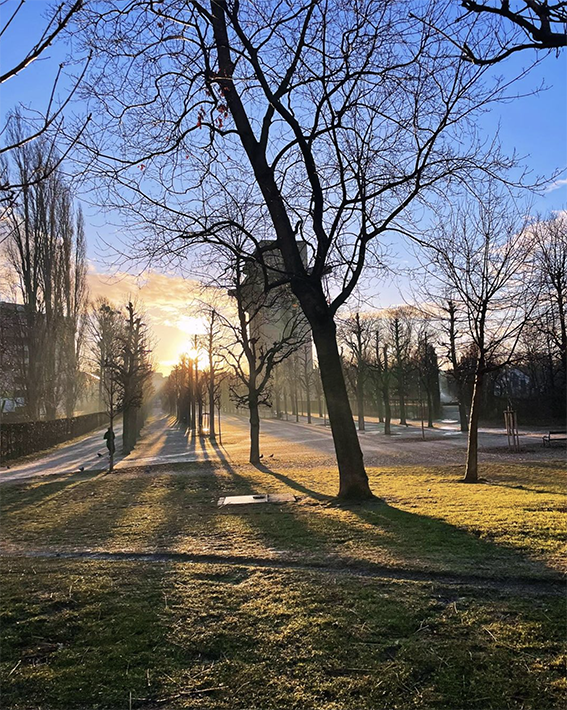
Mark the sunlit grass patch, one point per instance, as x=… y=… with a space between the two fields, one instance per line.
x=511 y=525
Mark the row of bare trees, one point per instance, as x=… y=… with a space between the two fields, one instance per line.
x=120 y=354
x=333 y=121
x=391 y=355
x=250 y=332
x=43 y=243
x=491 y=310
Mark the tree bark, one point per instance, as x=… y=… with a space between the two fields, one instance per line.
x=112 y=445
x=471 y=471
x=126 y=430
x=212 y=433
x=379 y=405
x=403 y=421
x=278 y=403
x=386 y=394
x=254 y=430
x=429 y=410
x=462 y=410
x=387 y=412
x=308 y=400
x=360 y=399
x=353 y=481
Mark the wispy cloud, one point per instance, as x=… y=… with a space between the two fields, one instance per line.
x=557 y=185
x=165 y=299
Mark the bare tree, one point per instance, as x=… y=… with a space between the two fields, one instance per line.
x=356 y=334
x=55 y=24
x=427 y=368
x=40 y=121
x=482 y=255
x=513 y=26
x=266 y=331
x=212 y=342
x=74 y=296
x=334 y=120
x=550 y=254
x=439 y=309
x=458 y=372
x=121 y=356
x=381 y=369
x=45 y=242
x=401 y=338
x=133 y=371
x=105 y=328
x=305 y=363
x=318 y=387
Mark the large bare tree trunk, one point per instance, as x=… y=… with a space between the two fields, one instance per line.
x=212 y=433
x=254 y=430
x=464 y=422
x=353 y=481
x=387 y=412
x=471 y=471
x=360 y=399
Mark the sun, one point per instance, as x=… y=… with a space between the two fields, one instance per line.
x=189 y=344
x=192 y=325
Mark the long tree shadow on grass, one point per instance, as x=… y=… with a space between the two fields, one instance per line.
x=376 y=532
x=545 y=477
x=84 y=512
x=177 y=434
x=30 y=491
x=277 y=526
x=300 y=488
x=185 y=501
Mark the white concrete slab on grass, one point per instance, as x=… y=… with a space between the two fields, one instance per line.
x=257 y=498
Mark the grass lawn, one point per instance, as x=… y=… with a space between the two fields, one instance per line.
x=514 y=525
x=98 y=634
x=118 y=634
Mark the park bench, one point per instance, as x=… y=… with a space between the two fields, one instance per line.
x=554 y=435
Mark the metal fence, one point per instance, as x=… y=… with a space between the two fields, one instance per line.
x=22 y=438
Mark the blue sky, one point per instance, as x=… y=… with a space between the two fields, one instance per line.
x=533 y=126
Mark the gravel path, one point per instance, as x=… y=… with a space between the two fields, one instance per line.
x=164 y=442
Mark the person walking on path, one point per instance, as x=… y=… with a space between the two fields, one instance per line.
x=110 y=436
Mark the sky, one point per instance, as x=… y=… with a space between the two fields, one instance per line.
x=168 y=303
x=533 y=126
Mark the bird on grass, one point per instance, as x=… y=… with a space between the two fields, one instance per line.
x=98 y=454
x=81 y=468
